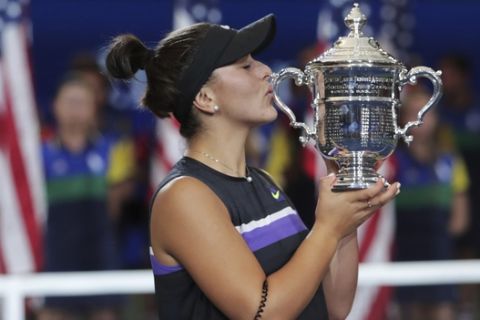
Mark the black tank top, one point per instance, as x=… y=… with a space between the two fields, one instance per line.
x=265 y=218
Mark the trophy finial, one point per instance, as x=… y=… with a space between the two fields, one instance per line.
x=355 y=20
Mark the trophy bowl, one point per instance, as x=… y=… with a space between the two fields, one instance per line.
x=355 y=86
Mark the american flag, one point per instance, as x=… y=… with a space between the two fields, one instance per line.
x=22 y=202
x=169 y=144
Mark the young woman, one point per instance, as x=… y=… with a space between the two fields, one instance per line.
x=226 y=241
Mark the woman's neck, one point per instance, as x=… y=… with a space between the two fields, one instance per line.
x=221 y=152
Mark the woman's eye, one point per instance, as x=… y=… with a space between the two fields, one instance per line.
x=247 y=66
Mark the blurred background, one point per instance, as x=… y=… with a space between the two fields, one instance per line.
x=80 y=159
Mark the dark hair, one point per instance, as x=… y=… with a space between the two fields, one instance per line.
x=163 y=67
x=73 y=78
x=85 y=62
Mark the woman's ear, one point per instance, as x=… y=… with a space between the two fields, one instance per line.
x=204 y=100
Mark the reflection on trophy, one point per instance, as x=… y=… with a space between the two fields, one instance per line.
x=355 y=87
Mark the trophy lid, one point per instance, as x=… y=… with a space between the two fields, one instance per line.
x=356 y=48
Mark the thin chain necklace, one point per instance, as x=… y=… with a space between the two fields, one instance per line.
x=209 y=156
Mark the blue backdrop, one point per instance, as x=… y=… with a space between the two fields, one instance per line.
x=62 y=28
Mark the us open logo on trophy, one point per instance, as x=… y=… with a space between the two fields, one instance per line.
x=355 y=87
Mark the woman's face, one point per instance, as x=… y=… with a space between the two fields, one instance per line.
x=75 y=107
x=243 y=93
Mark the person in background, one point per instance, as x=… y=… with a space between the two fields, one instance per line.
x=110 y=120
x=460 y=120
x=81 y=165
x=431 y=210
x=127 y=202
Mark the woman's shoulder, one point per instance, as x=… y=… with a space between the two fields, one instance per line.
x=182 y=185
x=182 y=194
x=177 y=170
x=183 y=205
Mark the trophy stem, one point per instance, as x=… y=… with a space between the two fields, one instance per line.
x=356 y=172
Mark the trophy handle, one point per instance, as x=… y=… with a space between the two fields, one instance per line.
x=300 y=78
x=410 y=77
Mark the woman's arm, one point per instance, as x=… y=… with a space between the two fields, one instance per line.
x=340 y=282
x=192 y=226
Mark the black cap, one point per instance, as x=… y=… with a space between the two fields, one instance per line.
x=221 y=46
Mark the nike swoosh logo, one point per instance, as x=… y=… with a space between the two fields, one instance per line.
x=276 y=195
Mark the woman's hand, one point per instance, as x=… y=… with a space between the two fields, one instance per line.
x=342 y=212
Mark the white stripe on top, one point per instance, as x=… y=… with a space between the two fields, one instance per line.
x=252 y=225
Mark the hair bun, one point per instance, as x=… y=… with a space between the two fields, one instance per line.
x=149 y=55
x=126 y=56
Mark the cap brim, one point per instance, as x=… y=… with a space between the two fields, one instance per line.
x=251 y=39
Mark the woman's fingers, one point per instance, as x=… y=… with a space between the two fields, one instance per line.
x=345 y=211
x=388 y=195
x=370 y=206
x=369 y=193
x=383 y=197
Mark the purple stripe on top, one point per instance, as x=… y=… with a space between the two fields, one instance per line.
x=161 y=269
x=282 y=228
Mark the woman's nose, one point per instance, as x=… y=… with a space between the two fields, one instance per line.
x=266 y=72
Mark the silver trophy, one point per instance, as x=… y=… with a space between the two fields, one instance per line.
x=355 y=87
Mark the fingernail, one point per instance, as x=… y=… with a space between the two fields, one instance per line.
x=398 y=189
